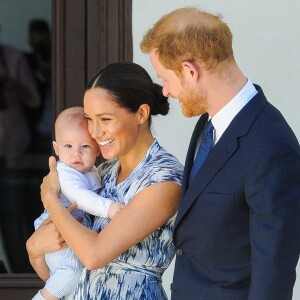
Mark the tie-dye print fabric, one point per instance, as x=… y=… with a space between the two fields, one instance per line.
x=136 y=274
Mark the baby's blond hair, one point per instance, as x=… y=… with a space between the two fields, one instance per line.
x=73 y=116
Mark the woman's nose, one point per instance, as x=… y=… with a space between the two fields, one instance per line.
x=95 y=131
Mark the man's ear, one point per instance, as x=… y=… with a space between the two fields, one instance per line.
x=190 y=70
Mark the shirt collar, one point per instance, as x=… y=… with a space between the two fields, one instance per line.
x=223 y=118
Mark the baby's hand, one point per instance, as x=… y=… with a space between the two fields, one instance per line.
x=114 y=208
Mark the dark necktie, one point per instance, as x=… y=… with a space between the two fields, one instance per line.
x=204 y=149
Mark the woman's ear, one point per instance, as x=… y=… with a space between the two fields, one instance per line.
x=143 y=113
x=191 y=71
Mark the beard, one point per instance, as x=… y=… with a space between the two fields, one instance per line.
x=192 y=103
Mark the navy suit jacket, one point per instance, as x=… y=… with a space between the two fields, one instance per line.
x=237 y=231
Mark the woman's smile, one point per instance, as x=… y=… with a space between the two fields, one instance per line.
x=105 y=143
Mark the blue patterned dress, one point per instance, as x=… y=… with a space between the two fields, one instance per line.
x=135 y=274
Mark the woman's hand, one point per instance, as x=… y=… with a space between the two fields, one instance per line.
x=45 y=239
x=50 y=186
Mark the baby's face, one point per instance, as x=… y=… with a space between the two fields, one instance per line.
x=76 y=148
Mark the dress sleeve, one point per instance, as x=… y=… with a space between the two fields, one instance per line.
x=166 y=168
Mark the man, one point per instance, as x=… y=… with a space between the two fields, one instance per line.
x=237 y=229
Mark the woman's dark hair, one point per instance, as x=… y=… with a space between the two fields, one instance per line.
x=131 y=86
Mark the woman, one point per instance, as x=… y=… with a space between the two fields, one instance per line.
x=124 y=257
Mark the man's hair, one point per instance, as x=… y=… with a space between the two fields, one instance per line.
x=189 y=34
x=40 y=26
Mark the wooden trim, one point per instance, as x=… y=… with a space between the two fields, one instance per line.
x=69 y=48
x=75 y=51
x=19 y=286
x=94 y=38
x=20 y=281
x=87 y=35
x=109 y=33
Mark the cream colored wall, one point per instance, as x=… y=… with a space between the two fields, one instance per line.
x=266 y=45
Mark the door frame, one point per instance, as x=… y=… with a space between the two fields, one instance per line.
x=86 y=36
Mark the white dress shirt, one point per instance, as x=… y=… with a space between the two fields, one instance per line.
x=223 y=118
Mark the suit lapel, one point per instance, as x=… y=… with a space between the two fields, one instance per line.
x=216 y=159
x=221 y=153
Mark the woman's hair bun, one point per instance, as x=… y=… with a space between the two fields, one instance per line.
x=161 y=103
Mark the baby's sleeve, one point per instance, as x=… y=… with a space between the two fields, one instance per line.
x=76 y=188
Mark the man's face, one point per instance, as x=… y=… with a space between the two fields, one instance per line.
x=171 y=83
x=192 y=99
x=36 y=40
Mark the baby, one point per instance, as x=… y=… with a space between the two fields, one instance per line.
x=79 y=180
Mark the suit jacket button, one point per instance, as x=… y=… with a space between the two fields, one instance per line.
x=179 y=251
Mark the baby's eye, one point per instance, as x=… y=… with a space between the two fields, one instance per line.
x=85 y=146
x=68 y=146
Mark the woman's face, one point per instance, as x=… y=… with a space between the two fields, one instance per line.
x=114 y=128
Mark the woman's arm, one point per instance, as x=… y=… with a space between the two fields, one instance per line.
x=147 y=211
